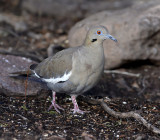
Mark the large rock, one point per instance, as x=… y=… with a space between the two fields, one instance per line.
x=137 y=29
x=71 y=9
x=17 y=86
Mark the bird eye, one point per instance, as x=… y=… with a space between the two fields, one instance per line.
x=98 y=32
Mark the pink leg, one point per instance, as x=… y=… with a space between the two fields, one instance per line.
x=76 y=108
x=56 y=106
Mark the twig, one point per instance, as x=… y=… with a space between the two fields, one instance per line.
x=24 y=118
x=15 y=35
x=140 y=137
x=26 y=84
x=144 y=86
x=131 y=114
x=121 y=72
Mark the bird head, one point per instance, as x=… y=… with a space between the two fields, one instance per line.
x=98 y=34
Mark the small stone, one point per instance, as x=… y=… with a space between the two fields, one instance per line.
x=45 y=135
x=124 y=103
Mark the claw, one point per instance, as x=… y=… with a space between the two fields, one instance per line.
x=56 y=106
x=78 y=111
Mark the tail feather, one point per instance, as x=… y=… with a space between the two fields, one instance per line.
x=21 y=73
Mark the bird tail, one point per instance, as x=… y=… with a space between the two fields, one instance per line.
x=21 y=73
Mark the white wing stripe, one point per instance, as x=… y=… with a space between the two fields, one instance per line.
x=53 y=80
x=36 y=74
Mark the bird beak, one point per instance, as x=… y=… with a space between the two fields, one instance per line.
x=111 y=37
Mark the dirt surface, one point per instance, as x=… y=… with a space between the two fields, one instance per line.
x=33 y=121
x=29 y=119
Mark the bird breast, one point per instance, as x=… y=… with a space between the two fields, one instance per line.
x=87 y=69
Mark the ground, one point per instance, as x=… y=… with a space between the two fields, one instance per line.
x=32 y=120
x=35 y=122
x=22 y=118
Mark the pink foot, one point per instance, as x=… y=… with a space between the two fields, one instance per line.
x=56 y=106
x=76 y=108
x=78 y=111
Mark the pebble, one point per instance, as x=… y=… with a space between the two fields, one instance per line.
x=124 y=103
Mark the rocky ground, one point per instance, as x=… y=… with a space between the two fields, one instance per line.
x=28 y=118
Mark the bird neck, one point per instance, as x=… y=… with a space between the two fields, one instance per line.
x=93 y=43
x=94 y=47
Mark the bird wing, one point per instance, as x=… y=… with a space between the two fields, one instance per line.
x=56 y=68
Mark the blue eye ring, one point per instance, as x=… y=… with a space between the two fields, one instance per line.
x=98 y=32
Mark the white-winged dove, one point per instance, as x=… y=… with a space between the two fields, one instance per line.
x=74 y=70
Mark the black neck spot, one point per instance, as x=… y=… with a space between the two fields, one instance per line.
x=93 y=40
